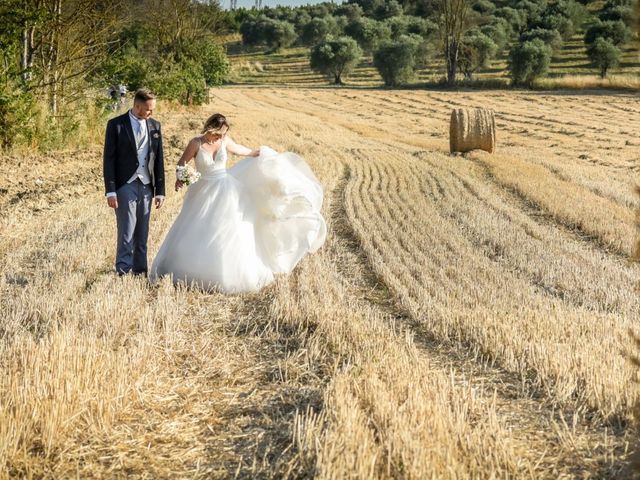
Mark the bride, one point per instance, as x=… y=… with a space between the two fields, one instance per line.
x=240 y=226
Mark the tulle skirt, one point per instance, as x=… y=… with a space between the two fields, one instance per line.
x=238 y=227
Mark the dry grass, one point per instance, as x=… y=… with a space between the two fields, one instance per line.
x=591 y=82
x=463 y=319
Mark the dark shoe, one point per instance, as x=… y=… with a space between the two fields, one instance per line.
x=141 y=273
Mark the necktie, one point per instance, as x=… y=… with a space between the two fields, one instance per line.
x=139 y=134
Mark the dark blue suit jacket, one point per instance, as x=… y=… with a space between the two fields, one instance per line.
x=120 y=158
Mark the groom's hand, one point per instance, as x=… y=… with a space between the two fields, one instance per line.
x=112 y=202
x=159 y=201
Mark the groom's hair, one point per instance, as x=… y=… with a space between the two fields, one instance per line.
x=143 y=95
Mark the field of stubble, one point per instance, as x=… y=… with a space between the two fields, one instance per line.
x=466 y=317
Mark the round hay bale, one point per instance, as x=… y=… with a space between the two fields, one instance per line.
x=472 y=129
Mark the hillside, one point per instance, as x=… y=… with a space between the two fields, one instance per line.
x=291 y=67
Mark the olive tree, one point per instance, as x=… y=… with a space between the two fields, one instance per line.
x=528 y=61
x=335 y=58
x=604 y=55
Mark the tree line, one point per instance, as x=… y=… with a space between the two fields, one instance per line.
x=402 y=36
x=60 y=56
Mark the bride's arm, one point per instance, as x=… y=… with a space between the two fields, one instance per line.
x=238 y=149
x=187 y=155
x=189 y=152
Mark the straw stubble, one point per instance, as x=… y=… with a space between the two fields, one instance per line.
x=460 y=322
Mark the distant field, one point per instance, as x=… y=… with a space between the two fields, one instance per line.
x=291 y=67
x=465 y=319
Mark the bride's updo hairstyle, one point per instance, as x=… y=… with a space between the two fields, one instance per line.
x=215 y=123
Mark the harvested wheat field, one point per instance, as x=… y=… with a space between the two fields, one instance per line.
x=466 y=318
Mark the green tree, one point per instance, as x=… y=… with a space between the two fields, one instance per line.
x=408 y=24
x=530 y=11
x=368 y=33
x=617 y=32
x=565 y=16
x=349 y=10
x=315 y=31
x=476 y=52
x=251 y=31
x=388 y=9
x=516 y=19
x=395 y=60
x=263 y=30
x=369 y=7
x=183 y=82
x=499 y=33
x=529 y=61
x=335 y=57
x=604 y=55
x=484 y=7
x=214 y=61
x=300 y=20
x=279 y=34
x=617 y=12
x=550 y=37
x=17 y=114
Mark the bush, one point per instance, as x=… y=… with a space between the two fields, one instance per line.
x=614 y=31
x=278 y=34
x=335 y=57
x=496 y=32
x=565 y=16
x=338 y=24
x=516 y=19
x=320 y=10
x=559 y=23
x=275 y=34
x=408 y=24
x=550 y=37
x=211 y=56
x=17 y=115
x=617 y=12
x=388 y=9
x=476 y=51
x=300 y=20
x=368 y=33
x=395 y=60
x=604 y=55
x=484 y=7
x=369 y=6
x=183 y=82
x=528 y=61
x=126 y=67
x=315 y=31
x=531 y=11
x=349 y=10
x=251 y=32
x=204 y=64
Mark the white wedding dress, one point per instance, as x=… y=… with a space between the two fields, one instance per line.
x=240 y=226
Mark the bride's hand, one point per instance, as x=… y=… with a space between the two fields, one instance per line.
x=254 y=153
x=179 y=185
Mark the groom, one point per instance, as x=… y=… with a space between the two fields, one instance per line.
x=133 y=176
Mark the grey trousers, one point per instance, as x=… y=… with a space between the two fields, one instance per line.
x=132 y=218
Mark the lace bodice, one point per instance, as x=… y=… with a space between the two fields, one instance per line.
x=210 y=164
